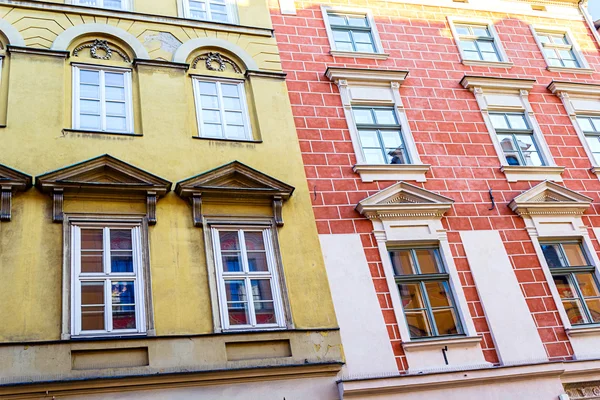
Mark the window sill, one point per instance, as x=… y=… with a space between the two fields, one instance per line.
x=517 y=173
x=584 y=330
x=358 y=54
x=108 y=336
x=426 y=344
x=228 y=140
x=588 y=71
x=492 y=64
x=392 y=172
x=84 y=131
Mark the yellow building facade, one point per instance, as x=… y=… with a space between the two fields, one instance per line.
x=156 y=234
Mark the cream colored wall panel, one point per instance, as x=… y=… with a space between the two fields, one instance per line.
x=364 y=334
x=514 y=332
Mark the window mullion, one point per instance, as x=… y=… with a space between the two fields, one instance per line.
x=516 y=144
x=102 y=100
x=222 y=110
x=250 y=298
x=429 y=309
x=586 y=310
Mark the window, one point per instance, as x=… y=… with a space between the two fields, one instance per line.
x=477 y=42
x=114 y=4
x=102 y=100
x=248 y=285
x=591 y=129
x=351 y=32
x=212 y=10
x=380 y=135
x=107 y=280
x=575 y=281
x=425 y=292
x=558 y=50
x=516 y=139
x=221 y=109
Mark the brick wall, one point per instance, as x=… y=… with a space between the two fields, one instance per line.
x=448 y=128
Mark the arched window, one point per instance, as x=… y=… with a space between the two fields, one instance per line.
x=103 y=95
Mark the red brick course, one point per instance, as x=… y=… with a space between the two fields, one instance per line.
x=450 y=134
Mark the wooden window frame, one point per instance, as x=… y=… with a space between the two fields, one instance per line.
x=232 y=15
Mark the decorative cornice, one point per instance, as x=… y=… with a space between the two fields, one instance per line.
x=38 y=51
x=214 y=61
x=160 y=63
x=336 y=74
x=516 y=173
x=403 y=200
x=11 y=181
x=103 y=46
x=359 y=54
x=586 y=71
x=548 y=198
x=266 y=74
x=573 y=88
x=494 y=83
x=583 y=390
x=491 y=64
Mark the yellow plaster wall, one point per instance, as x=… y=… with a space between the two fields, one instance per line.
x=33 y=142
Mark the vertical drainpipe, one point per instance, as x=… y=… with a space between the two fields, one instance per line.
x=588 y=19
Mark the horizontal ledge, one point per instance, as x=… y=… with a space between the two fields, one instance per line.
x=227 y=140
x=486 y=82
x=437 y=342
x=491 y=64
x=515 y=173
x=266 y=74
x=38 y=51
x=366 y=74
x=588 y=89
x=358 y=54
x=587 y=71
x=394 y=172
x=137 y=16
x=83 y=131
x=583 y=330
x=160 y=63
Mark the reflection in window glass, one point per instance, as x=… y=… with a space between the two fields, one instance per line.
x=516 y=139
x=477 y=43
x=351 y=32
x=380 y=135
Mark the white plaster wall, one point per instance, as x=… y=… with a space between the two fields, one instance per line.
x=513 y=329
x=322 y=388
x=366 y=343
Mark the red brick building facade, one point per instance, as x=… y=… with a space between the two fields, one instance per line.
x=447 y=123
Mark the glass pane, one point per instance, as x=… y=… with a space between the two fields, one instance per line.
x=487 y=56
x=91 y=239
x=391 y=139
x=498 y=121
x=365 y=47
x=120 y=239
x=468 y=45
x=92 y=77
x=208 y=88
x=344 y=46
x=236 y=132
x=585 y=124
x=411 y=296
x=418 y=324
x=92 y=293
x=357 y=21
x=232 y=262
x=402 y=262
x=486 y=46
x=571 y=63
x=89 y=92
x=525 y=142
x=342 y=36
x=209 y=101
x=362 y=37
x=553 y=255
x=369 y=138
x=562 y=39
x=532 y=158
x=427 y=261
x=116 y=124
x=115 y=93
x=265 y=312
x=544 y=38
x=261 y=289
x=587 y=284
x=212 y=130
x=117 y=109
x=219 y=9
x=438 y=295
x=397 y=155
x=462 y=30
x=121 y=261
x=232 y=103
x=517 y=121
x=594 y=142
x=114 y=79
x=197 y=5
x=235 y=291
x=229 y=90
x=374 y=156
x=385 y=117
x=238 y=313
x=574 y=254
x=472 y=55
x=596 y=122
x=89 y=122
x=257 y=262
x=445 y=321
x=234 y=118
x=254 y=240
x=123 y=300
x=480 y=31
x=229 y=240
x=564 y=287
x=566 y=54
x=211 y=116
x=92 y=318
x=363 y=116
x=91 y=262
x=594 y=308
x=89 y=106
x=336 y=20
x=512 y=158
x=574 y=311
x=117 y=4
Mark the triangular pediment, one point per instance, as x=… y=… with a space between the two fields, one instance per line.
x=548 y=198
x=13 y=179
x=404 y=200
x=104 y=173
x=234 y=180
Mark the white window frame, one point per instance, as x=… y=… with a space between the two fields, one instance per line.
x=504 y=61
x=378 y=54
x=232 y=11
x=584 y=66
x=126 y=5
x=137 y=276
x=128 y=96
x=243 y=99
x=272 y=275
